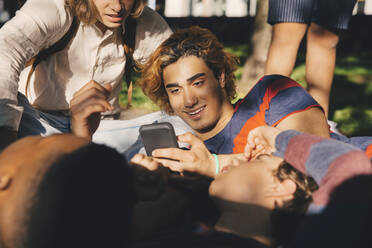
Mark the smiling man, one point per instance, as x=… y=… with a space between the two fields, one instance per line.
x=192 y=76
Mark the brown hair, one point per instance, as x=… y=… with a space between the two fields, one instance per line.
x=193 y=41
x=285 y=219
x=86 y=11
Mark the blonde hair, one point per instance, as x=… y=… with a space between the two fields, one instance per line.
x=86 y=11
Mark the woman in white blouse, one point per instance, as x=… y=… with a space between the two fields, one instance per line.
x=86 y=73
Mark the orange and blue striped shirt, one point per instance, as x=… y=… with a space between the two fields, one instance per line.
x=271 y=100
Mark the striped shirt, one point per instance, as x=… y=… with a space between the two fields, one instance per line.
x=271 y=100
x=329 y=161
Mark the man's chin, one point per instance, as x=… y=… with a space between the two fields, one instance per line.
x=200 y=128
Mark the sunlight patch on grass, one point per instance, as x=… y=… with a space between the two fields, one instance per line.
x=354 y=120
x=139 y=100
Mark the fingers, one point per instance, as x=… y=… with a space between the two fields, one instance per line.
x=173 y=154
x=256 y=143
x=171 y=164
x=108 y=87
x=179 y=166
x=92 y=90
x=250 y=147
x=191 y=139
x=89 y=106
x=93 y=85
x=197 y=159
x=90 y=94
x=145 y=161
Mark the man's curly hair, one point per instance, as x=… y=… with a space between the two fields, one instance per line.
x=193 y=41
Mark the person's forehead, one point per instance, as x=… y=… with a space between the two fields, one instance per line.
x=36 y=148
x=184 y=68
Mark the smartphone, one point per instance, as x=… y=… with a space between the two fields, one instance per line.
x=158 y=135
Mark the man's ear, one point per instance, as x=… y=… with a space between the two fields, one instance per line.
x=5 y=180
x=221 y=80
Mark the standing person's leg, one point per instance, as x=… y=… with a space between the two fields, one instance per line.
x=290 y=19
x=329 y=18
x=320 y=63
x=285 y=41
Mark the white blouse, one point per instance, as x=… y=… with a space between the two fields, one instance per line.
x=91 y=55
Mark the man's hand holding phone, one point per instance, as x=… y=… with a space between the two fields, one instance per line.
x=198 y=159
x=161 y=143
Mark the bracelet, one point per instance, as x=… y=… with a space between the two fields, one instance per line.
x=217 y=163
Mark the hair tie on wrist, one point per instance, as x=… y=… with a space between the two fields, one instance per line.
x=217 y=162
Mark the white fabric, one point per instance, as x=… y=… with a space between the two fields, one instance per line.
x=91 y=55
x=123 y=135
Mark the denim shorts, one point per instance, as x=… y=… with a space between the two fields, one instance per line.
x=333 y=14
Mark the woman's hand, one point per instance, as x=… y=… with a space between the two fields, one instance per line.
x=86 y=107
x=261 y=140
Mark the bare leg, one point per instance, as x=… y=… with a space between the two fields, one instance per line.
x=286 y=39
x=320 y=63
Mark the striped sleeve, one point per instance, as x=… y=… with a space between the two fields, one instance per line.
x=329 y=162
x=285 y=97
x=362 y=142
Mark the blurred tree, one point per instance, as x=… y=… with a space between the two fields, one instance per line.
x=260 y=42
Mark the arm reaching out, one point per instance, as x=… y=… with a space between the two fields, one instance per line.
x=86 y=107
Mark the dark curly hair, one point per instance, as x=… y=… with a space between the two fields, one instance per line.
x=193 y=41
x=286 y=219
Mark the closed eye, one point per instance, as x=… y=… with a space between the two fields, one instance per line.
x=262 y=156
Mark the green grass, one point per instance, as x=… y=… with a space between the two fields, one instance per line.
x=350 y=104
x=139 y=100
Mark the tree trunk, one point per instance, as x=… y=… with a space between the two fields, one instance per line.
x=261 y=38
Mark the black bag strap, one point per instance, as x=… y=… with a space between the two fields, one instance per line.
x=56 y=47
x=129 y=42
x=59 y=45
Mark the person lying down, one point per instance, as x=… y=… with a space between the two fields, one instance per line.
x=263 y=200
x=62 y=191
x=71 y=193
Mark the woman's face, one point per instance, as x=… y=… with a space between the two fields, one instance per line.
x=112 y=13
x=249 y=183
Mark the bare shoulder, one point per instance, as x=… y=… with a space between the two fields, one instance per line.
x=312 y=121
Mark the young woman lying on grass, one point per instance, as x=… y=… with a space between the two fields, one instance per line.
x=263 y=199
